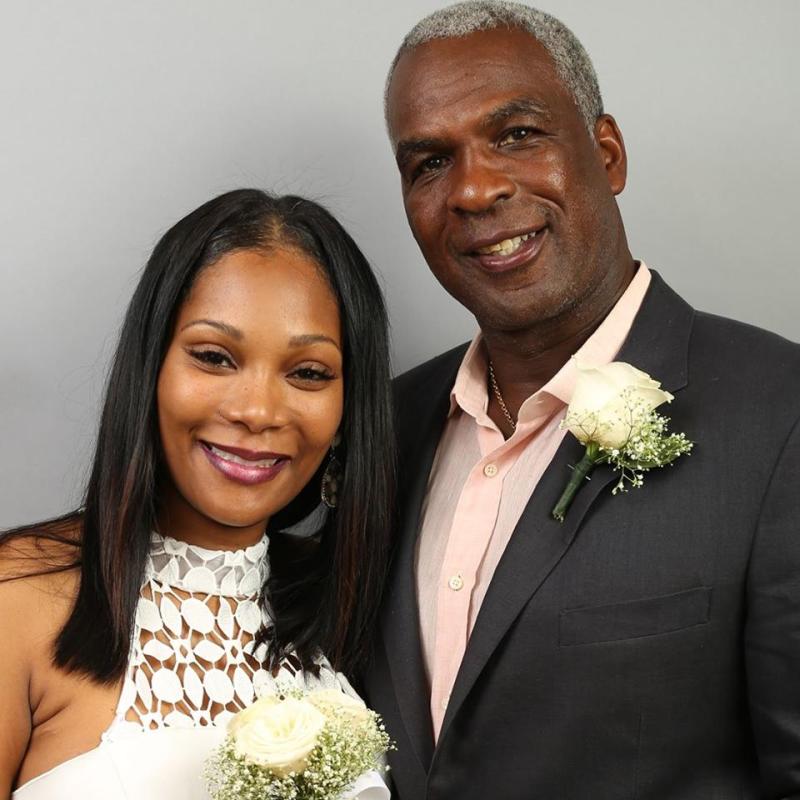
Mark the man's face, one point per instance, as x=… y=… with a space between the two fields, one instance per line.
x=508 y=196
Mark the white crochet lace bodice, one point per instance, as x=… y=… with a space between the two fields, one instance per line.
x=194 y=661
x=193 y=664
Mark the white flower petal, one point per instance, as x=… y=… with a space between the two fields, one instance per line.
x=611 y=402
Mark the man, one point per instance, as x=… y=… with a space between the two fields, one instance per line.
x=648 y=646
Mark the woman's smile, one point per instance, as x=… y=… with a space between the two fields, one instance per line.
x=244 y=466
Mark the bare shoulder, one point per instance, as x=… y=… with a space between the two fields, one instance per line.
x=39 y=576
x=38 y=582
x=23 y=554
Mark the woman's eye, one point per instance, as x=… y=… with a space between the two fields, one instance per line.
x=517 y=135
x=312 y=374
x=211 y=358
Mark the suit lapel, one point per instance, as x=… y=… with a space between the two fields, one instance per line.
x=420 y=427
x=657 y=344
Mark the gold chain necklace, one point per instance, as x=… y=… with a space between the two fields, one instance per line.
x=500 y=401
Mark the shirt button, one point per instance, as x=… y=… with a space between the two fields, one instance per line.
x=456 y=583
x=490 y=470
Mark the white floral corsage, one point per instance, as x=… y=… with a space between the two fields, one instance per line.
x=293 y=744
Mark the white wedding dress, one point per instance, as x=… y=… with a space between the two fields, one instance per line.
x=193 y=664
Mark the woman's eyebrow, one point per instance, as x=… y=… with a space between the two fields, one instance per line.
x=300 y=340
x=224 y=327
x=305 y=339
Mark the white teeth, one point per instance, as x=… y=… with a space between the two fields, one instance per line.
x=507 y=246
x=225 y=455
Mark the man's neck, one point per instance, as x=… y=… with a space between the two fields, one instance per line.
x=525 y=360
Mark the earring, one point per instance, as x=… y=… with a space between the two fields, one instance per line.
x=331 y=478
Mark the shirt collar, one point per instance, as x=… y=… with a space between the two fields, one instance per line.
x=470 y=392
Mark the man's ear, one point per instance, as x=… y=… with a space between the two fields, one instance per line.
x=611 y=149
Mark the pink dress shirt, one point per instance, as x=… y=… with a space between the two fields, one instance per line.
x=478 y=487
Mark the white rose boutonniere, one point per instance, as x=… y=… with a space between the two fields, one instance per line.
x=612 y=412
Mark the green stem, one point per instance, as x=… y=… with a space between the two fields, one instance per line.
x=579 y=474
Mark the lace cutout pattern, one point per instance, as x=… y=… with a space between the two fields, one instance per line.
x=194 y=661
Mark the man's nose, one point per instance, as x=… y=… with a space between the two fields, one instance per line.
x=478 y=182
x=258 y=403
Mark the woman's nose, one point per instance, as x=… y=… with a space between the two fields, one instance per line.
x=258 y=403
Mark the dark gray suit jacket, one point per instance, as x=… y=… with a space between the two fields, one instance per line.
x=649 y=646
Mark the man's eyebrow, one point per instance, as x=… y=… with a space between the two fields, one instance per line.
x=521 y=106
x=409 y=147
x=305 y=339
x=224 y=327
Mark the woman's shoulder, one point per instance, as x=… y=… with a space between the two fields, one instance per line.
x=39 y=550
x=39 y=577
x=38 y=582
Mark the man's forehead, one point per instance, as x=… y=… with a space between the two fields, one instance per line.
x=483 y=74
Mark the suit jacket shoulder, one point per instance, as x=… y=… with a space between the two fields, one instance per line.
x=430 y=372
x=422 y=393
x=745 y=383
x=743 y=355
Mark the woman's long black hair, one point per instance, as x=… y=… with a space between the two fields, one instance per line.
x=323 y=592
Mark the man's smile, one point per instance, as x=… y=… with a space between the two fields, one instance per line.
x=506 y=247
x=504 y=251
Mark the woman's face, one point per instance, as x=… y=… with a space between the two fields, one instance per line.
x=249 y=396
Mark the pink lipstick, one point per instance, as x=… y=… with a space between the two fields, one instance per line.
x=248 y=467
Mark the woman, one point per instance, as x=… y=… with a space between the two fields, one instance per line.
x=251 y=376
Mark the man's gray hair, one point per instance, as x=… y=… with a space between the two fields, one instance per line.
x=571 y=60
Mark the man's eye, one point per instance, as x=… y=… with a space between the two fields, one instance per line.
x=431 y=164
x=211 y=358
x=517 y=135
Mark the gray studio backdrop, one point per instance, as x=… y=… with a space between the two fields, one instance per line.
x=120 y=117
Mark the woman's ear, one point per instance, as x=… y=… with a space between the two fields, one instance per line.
x=303 y=506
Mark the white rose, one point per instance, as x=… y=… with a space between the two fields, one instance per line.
x=610 y=402
x=335 y=704
x=278 y=734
